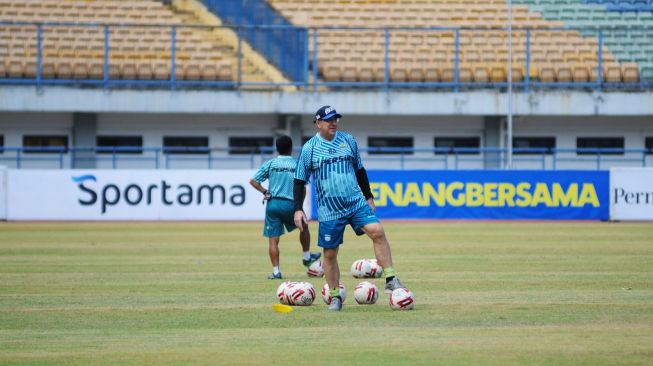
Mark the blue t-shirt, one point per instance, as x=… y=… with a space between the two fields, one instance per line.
x=333 y=165
x=281 y=172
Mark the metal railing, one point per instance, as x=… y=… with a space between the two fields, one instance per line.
x=376 y=158
x=311 y=63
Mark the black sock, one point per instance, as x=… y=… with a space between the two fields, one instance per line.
x=388 y=279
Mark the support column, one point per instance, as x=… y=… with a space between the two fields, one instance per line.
x=84 y=134
x=492 y=138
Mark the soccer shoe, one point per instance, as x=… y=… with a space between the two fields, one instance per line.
x=277 y=276
x=314 y=256
x=336 y=304
x=393 y=285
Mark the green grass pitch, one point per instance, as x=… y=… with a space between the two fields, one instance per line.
x=487 y=293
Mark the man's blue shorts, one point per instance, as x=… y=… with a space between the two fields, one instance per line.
x=331 y=232
x=279 y=212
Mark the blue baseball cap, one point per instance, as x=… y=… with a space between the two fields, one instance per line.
x=326 y=112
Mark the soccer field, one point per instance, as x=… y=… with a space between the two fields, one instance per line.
x=490 y=293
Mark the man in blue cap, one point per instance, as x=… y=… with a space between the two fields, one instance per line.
x=343 y=198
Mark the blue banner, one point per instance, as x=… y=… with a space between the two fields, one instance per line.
x=491 y=194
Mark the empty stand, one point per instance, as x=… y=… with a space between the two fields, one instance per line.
x=139 y=47
x=556 y=54
x=627 y=28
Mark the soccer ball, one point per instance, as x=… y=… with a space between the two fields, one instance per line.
x=376 y=271
x=366 y=268
x=300 y=294
x=360 y=268
x=281 y=291
x=315 y=269
x=402 y=299
x=327 y=298
x=366 y=293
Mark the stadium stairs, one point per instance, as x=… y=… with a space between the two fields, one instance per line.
x=255 y=67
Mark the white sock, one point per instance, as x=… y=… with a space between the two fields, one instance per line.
x=275 y=270
x=307 y=255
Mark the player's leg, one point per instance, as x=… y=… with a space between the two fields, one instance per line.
x=305 y=240
x=365 y=221
x=331 y=268
x=273 y=251
x=380 y=243
x=304 y=236
x=273 y=230
x=330 y=236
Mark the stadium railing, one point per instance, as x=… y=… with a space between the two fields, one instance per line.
x=310 y=79
x=387 y=157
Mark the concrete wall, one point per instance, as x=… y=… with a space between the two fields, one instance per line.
x=219 y=127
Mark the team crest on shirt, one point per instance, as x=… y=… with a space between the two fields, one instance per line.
x=327 y=237
x=342 y=146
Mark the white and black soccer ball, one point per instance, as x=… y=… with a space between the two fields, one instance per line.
x=315 y=269
x=327 y=298
x=361 y=268
x=402 y=299
x=281 y=291
x=300 y=294
x=366 y=293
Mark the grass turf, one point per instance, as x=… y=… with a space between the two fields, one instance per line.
x=491 y=293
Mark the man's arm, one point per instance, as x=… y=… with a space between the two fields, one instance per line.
x=364 y=184
x=299 y=192
x=266 y=194
x=257 y=186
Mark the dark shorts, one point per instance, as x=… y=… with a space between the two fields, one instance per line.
x=279 y=213
x=331 y=232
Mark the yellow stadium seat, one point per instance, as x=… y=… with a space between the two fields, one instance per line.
x=161 y=70
x=613 y=73
x=630 y=72
x=80 y=70
x=481 y=74
x=225 y=70
x=64 y=69
x=144 y=71
x=128 y=70
x=564 y=73
x=96 y=70
x=581 y=73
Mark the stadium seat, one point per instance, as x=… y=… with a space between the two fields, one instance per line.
x=580 y=73
x=192 y=71
x=481 y=74
x=613 y=73
x=630 y=73
x=64 y=69
x=96 y=70
x=80 y=70
x=161 y=70
x=128 y=70
x=547 y=73
x=144 y=71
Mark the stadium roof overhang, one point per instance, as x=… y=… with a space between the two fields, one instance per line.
x=398 y=103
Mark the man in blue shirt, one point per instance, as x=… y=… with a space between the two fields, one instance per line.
x=279 y=211
x=343 y=198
